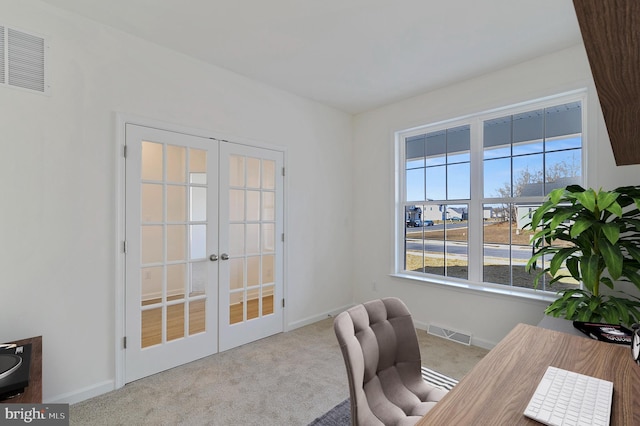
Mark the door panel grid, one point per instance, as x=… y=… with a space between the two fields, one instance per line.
x=173 y=227
x=251 y=237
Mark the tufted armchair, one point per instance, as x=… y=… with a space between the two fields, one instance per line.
x=380 y=349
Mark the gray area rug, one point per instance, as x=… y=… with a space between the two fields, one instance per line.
x=340 y=415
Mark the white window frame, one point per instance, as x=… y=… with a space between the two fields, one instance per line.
x=475 y=239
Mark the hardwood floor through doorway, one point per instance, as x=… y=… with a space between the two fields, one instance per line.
x=152 y=318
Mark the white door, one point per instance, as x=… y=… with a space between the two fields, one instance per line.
x=251 y=244
x=171 y=232
x=204 y=262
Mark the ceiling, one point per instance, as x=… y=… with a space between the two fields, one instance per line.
x=353 y=55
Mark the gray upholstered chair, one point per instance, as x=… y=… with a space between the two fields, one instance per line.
x=380 y=348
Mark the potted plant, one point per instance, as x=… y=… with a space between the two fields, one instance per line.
x=595 y=237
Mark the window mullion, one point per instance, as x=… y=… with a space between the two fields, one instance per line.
x=476 y=202
x=516 y=152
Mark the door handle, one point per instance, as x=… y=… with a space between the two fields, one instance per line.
x=213 y=257
x=224 y=256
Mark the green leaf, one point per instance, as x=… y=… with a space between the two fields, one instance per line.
x=611 y=316
x=559 y=217
x=606 y=200
x=587 y=199
x=611 y=231
x=567 y=304
x=572 y=306
x=573 y=266
x=536 y=281
x=623 y=311
x=593 y=304
x=538 y=238
x=612 y=258
x=557 y=195
x=558 y=259
x=607 y=281
x=556 y=279
x=589 y=272
x=580 y=225
x=538 y=213
x=615 y=208
x=532 y=263
x=632 y=275
x=574 y=188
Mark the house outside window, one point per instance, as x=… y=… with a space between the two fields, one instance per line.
x=468 y=186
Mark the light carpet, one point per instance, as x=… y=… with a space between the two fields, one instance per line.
x=287 y=379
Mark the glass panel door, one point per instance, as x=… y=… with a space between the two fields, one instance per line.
x=171 y=284
x=251 y=274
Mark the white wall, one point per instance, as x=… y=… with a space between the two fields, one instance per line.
x=487 y=317
x=58 y=174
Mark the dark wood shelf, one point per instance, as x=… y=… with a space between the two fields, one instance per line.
x=33 y=393
x=611 y=34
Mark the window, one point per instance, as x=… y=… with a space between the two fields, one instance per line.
x=470 y=185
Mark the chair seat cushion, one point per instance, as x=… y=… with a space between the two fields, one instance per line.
x=422 y=408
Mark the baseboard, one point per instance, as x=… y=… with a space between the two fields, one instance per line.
x=316 y=318
x=482 y=343
x=83 y=394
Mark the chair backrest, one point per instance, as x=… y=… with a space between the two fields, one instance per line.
x=381 y=352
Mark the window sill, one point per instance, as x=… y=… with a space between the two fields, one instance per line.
x=497 y=289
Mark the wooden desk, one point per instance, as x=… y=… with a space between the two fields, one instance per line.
x=498 y=389
x=33 y=392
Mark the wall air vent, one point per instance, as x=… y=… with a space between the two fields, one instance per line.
x=2 y=60
x=455 y=336
x=23 y=60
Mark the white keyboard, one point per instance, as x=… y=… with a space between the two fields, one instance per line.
x=567 y=398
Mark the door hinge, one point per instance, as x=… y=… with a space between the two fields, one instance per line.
x=283 y=303
x=282 y=237
x=124 y=151
x=283 y=171
x=124 y=246
x=124 y=342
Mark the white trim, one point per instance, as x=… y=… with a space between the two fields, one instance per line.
x=514 y=108
x=83 y=394
x=119 y=233
x=285 y=245
x=475 y=203
x=121 y=119
x=194 y=131
x=315 y=318
x=497 y=289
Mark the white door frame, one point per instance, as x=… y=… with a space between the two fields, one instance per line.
x=120 y=214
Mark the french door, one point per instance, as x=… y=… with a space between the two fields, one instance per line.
x=251 y=291
x=203 y=261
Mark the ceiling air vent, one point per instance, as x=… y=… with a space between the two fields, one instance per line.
x=23 y=60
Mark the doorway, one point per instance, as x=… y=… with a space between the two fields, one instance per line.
x=203 y=262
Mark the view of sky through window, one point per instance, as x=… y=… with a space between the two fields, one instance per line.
x=521 y=157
